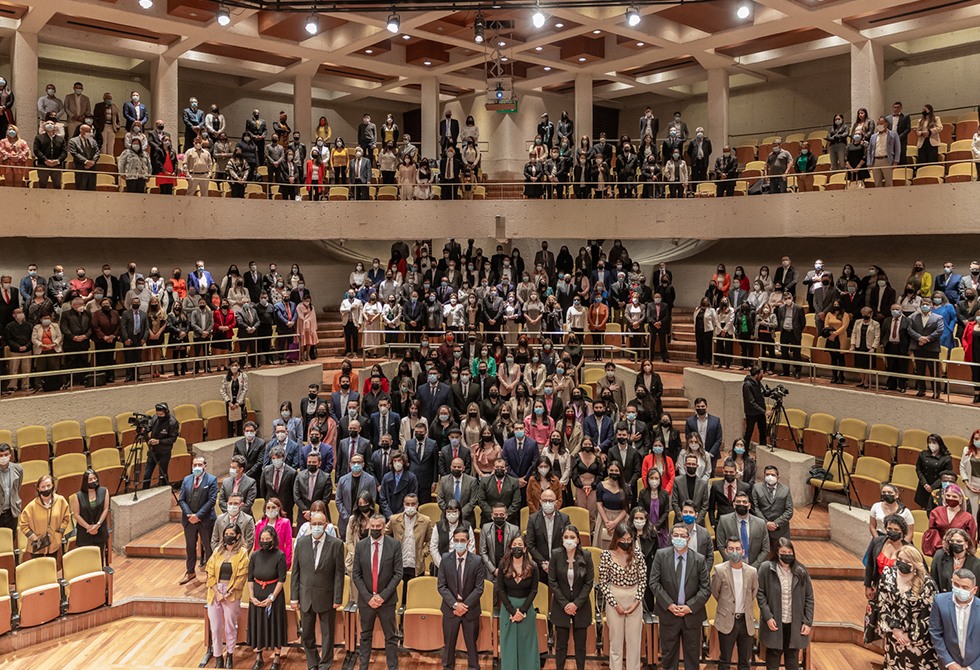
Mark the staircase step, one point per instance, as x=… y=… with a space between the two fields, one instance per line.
x=167 y=541
x=825 y=560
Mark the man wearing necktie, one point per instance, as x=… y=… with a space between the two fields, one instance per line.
x=133 y=330
x=198 y=495
x=749 y=529
x=495 y=536
x=460 y=584
x=377 y=569
x=318 y=589
x=462 y=488
x=679 y=580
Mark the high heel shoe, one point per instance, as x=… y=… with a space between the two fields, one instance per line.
x=258 y=661
x=275 y=663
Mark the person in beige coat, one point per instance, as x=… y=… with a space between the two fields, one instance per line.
x=46 y=340
x=864 y=340
x=199 y=165
x=928 y=141
x=734 y=586
x=421 y=526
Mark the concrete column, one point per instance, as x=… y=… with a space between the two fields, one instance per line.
x=583 y=105
x=718 y=107
x=303 y=107
x=23 y=57
x=867 y=79
x=430 y=118
x=164 y=104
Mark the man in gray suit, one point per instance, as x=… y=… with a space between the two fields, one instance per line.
x=790 y=322
x=749 y=530
x=85 y=153
x=462 y=487
x=376 y=573
x=689 y=487
x=925 y=329
x=773 y=503
x=679 y=580
x=360 y=174
x=133 y=330
x=495 y=537
x=11 y=478
x=734 y=587
x=318 y=589
x=234 y=515
x=238 y=482
x=460 y=583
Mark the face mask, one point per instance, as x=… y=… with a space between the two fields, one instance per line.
x=285 y=415
x=356 y=468
x=460 y=547
x=266 y=544
x=956 y=547
x=771 y=480
x=548 y=506
x=519 y=433
x=787 y=560
x=518 y=552
x=679 y=542
x=934 y=446
x=456 y=472
x=894 y=535
x=882 y=284
x=952 y=502
x=376 y=533
x=962 y=595
x=276 y=462
x=452 y=517
x=272 y=513
x=198 y=471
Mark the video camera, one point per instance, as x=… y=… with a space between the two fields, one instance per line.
x=777 y=393
x=141 y=422
x=838 y=441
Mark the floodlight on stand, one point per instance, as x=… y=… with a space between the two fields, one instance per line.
x=146 y=4
x=313 y=24
x=479 y=27
x=223 y=16
x=538 y=18
x=744 y=9
x=632 y=17
x=393 y=23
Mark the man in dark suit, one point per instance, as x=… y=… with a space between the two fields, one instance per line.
x=385 y=422
x=348 y=411
x=414 y=316
x=376 y=572
x=460 y=584
x=495 y=537
x=748 y=529
x=253 y=282
x=396 y=484
x=599 y=427
x=309 y=405
x=521 y=453
x=238 y=483
x=540 y=542
x=423 y=462
x=350 y=445
x=824 y=296
x=895 y=338
x=462 y=487
x=349 y=487
x=501 y=488
x=707 y=426
x=679 y=580
x=637 y=432
x=464 y=393
x=902 y=125
x=688 y=486
x=311 y=486
x=134 y=110
x=721 y=495
x=450 y=167
x=546 y=259
x=754 y=404
x=699 y=153
x=925 y=329
x=627 y=457
x=455 y=449
x=198 y=494
x=786 y=277
x=318 y=589
x=949 y=283
x=658 y=318
x=278 y=480
x=432 y=396
x=773 y=503
x=484 y=382
x=790 y=322
x=107 y=281
x=448 y=134
x=360 y=174
x=133 y=329
x=252 y=447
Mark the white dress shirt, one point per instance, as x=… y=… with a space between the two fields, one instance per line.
x=739 y=590
x=962 y=623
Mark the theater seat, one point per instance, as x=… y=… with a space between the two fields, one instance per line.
x=32 y=444
x=125 y=433
x=89 y=583
x=422 y=624
x=8 y=554
x=906 y=479
x=915 y=437
x=33 y=470
x=68 y=471
x=214 y=414
x=191 y=425
x=541 y=615
x=834 y=482
x=579 y=517
x=816 y=436
x=869 y=474
x=854 y=431
x=5 y=603
x=181 y=461
x=108 y=467
x=881 y=442
x=67 y=438
x=39 y=594
x=99 y=433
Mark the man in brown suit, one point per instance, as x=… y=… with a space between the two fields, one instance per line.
x=421 y=533
x=734 y=586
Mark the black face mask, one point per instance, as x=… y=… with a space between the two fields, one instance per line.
x=229 y=540
x=903 y=567
x=894 y=535
x=457 y=473
x=313 y=467
x=517 y=552
x=499 y=521
x=376 y=533
x=741 y=510
x=345 y=386
x=365 y=509
x=956 y=547
x=420 y=437
x=787 y=560
x=691 y=471
x=626 y=545
x=888 y=497
x=614 y=476
x=499 y=472
x=729 y=478
x=266 y=544
x=621 y=440
x=665 y=423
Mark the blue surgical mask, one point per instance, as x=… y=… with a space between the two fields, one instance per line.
x=926 y=308
x=631 y=416
x=658 y=449
x=961 y=595
x=519 y=433
x=460 y=547
x=739 y=450
x=688 y=518
x=285 y=415
x=896 y=312
x=433 y=379
x=198 y=472
x=679 y=542
x=539 y=411
x=356 y=468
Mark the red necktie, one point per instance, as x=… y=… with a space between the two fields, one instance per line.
x=275 y=484
x=6 y=295
x=500 y=486
x=731 y=493
x=197 y=480
x=289 y=313
x=500 y=535
x=455 y=453
x=374 y=565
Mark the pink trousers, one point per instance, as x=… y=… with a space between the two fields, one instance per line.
x=224 y=614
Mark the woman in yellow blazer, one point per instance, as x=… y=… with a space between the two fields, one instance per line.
x=338 y=161
x=227 y=571
x=921 y=280
x=47 y=516
x=929 y=128
x=323 y=130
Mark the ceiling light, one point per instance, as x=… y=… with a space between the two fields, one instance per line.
x=582 y=59
x=223 y=16
x=146 y=4
x=632 y=17
x=393 y=23
x=406 y=37
x=639 y=44
x=313 y=24
x=538 y=18
x=368 y=51
x=744 y=9
x=538 y=48
x=428 y=62
x=503 y=60
x=559 y=25
x=547 y=69
x=596 y=32
x=500 y=44
x=479 y=27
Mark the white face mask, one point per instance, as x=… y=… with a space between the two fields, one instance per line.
x=771 y=480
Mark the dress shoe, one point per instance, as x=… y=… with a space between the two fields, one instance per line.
x=797 y=375
x=229 y=661
x=275 y=664
x=186 y=579
x=219 y=662
x=258 y=661
x=920 y=394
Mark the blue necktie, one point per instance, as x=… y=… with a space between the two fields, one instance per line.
x=682 y=568
x=745 y=538
x=136 y=320
x=456 y=493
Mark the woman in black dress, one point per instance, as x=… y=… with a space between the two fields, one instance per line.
x=648 y=543
x=931 y=462
x=90 y=508
x=267 y=613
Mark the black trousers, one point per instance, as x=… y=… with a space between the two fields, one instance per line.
x=76 y=355
x=792 y=656
x=8 y=520
x=136 y=186
x=133 y=355
x=767 y=350
x=192 y=531
x=751 y=421
x=105 y=356
x=925 y=365
x=725 y=345
x=897 y=366
x=162 y=460
x=360 y=191
x=579 y=636
x=308 y=620
x=264 y=334
x=746 y=348
x=659 y=335
x=350 y=337
x=672 y=636
x=85 y=180
x=703 y=340
x=738 y=638
x=448 y=188
x=386 y=614
x=787 y=337
x=451 y=626
x=725 y=189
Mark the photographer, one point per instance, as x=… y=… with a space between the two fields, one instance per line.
x=163 y=431
x=754 y=404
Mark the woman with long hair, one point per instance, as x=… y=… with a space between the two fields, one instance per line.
x=515 y=588
x=784 y=633
x=647 y=543
x=89 y=508
x=227 y=571
x=970 y=468
x=654 y=500
x=959 y=552
x=233 y=389
x=928 y=132
x=905 y=597
x=613 y=500
x=623 y=582
x=571 y=575
x=542 y=480
x=357 y=525
x=274 y=519
x=946 y=516
x=745 y=465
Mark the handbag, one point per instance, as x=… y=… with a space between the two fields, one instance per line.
x=43 y=542
x=234 y=414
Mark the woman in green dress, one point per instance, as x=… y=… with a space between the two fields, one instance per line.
x=515 y=587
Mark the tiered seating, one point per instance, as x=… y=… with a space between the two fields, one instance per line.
x=88 y=584
x=38 y=595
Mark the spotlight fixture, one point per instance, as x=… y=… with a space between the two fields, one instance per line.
x=393 y=23
x=538 y=17
x=499 y=93
x=313 y=24
x=146 y=4
x=479 y=27
x=744 y=9
x=632 y=17
x=223 y=16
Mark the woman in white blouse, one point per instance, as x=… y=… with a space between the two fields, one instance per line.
x=696 y=448
x=358 y=276
x=508 y=375
x=758 y=296
x=576 y=317
x=636 y=320
x=765 y=278
x=890 y=504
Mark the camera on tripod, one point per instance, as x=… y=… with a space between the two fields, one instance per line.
x=777 y=393
x=838 y=442
x=141 y=422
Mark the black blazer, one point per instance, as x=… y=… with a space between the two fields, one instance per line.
x=254 y=456
x=446 y=459
x=630 y=463
x=871 y=574
x=286 y=482
x=471 y=589
x=942 y=569
x=304 y=405
x=799 y=319
x=318 y=587
x=510 y=495
x=718 y=503
x=127 y=324
x=100 y=282
x=643 y=502
x=426 y=468
x=537 y=535
x=389 y=571
x=663 y=581
x=582 y=582
x=301 y=489
x=903 y=335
